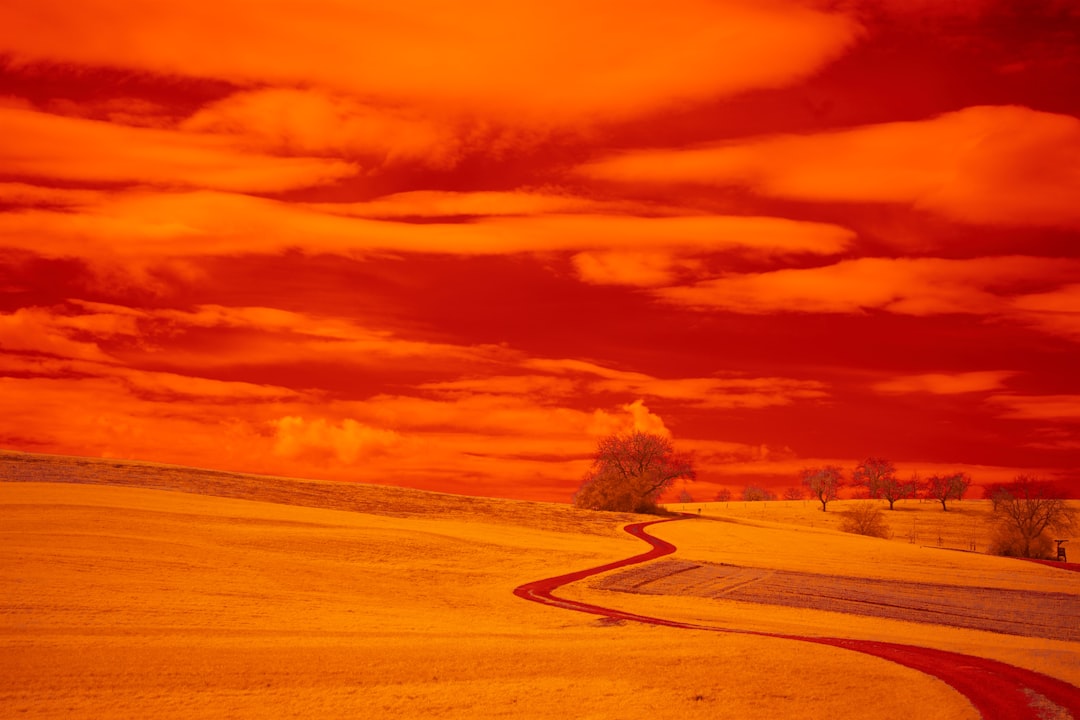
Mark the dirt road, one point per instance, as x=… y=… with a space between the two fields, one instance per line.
x=996 y=689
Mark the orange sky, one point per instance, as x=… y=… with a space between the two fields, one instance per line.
x=451 y=245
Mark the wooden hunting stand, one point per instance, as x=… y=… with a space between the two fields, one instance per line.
x=1061 y=549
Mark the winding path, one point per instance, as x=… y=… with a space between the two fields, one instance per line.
x=996 y=689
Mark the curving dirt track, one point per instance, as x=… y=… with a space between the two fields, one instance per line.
x=1073 y=567
x=996 y=689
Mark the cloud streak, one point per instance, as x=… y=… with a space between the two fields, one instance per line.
x=945 y=383
x=40 y=145
x=989 y=165
x=616 y=59
x=149 y=226
x=907 y=286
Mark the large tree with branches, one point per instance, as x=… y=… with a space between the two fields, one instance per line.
x=1027 y=510
x=878 y=476
x=631 y=471
x=823 y=483
x=947 y=487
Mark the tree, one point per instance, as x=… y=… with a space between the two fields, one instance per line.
x=824 y=483
x=878 y=476
x=630 y=471
x=947 y=487
x=998 y=493
x=724 y=495
x=1026 y=510
x=794 y=493
x=865 y=518
x=685 y=496
x=869 y=473
x=753 y=493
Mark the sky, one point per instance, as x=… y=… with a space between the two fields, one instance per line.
x=452 y=245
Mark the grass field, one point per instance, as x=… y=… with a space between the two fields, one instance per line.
x=153 y=591
x=966 y=525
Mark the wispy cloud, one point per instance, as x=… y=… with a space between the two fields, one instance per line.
x=713 y=392
x=616 y=59
x=56 y=148
x=155 y=226
x=995 y=165
x=945 y=383
x=308 y=122
x=1039 y=407
x=1056 y=311
x=908 y=286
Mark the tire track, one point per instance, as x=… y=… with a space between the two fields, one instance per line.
x=995 y=689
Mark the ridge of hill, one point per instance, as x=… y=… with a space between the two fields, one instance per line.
x=372 y=499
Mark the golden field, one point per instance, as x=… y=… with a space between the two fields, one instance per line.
x=152 y=591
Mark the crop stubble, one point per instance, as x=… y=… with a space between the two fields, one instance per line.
x=1016 y=612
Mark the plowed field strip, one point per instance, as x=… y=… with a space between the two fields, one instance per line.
x=996 y=689
x=1032 y=614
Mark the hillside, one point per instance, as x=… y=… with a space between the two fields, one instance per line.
x=366 y=498
x=139 y=590
x=967 y=525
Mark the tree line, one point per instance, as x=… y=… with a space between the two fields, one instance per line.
x=874 y=478
x=631 y=471
x=877 y=479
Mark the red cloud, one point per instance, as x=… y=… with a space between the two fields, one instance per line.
x=945 y=383
x=157 y=226
x=39 y=145
x=996 y=165
x=909 y=286
x=537 y=63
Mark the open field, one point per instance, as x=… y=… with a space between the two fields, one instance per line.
x=967 y=525
x=1052 y=615
x=212 y=595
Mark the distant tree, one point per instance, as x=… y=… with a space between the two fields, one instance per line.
x=866 y=475
x=794 y=493
x=685 y=496
x=878 y=476
x=946 y=487
x=1027 y=510
x=724 y=495
x=915 y=483
x=996 y=493
x=630 y=471
x=823 y=483
x=753 y=493
x=865 y=518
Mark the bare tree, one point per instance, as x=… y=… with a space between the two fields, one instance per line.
x=865 y=518
x=998 y=493
x=824 y=483
x=685 y=496
x=724 y=495
x=868 y=474
x=753 y=493
x=947 y=487
x=794 y=493
x=630 y=471
x=878 y=476
x=1026 y=510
